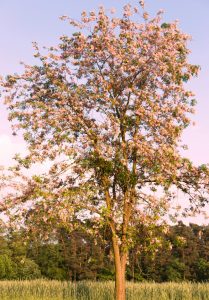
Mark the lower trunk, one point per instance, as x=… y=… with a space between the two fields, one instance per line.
x=120 y=269
x=120 y=290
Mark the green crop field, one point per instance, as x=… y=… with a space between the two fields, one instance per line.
x=55 y=290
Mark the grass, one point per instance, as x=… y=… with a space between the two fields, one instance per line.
x=86 y=290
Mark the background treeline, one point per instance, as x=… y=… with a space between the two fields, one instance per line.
x=180 y=253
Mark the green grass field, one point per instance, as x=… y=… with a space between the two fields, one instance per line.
x=56 y=290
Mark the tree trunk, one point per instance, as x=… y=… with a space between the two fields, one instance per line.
x=120 y=269
x=120 y=290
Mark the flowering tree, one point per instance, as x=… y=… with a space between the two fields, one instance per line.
x=107 y=106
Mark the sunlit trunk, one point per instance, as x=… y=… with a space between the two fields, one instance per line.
x=120 y=269
x=120 y=293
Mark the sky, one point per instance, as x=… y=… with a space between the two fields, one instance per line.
x=24 y=21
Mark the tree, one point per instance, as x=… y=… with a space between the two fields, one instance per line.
x=107 y=106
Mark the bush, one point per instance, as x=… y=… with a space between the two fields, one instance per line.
x=7 y=267
x=27 y=269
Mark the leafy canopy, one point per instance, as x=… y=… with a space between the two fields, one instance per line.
x=107 y=106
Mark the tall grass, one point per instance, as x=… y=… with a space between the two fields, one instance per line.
x=86 y=290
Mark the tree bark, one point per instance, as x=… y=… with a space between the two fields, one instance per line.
x=120 y=269
x=120 y=252
x=120 y=290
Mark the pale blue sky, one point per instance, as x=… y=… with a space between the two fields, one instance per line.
x=24 y=21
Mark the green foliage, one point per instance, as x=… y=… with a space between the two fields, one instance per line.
x=7 y=267
x=54 y=272
x=202 y=266
x=50 y=261
x=28 y=269
x=165 y=25
x=175 y=270
x=105 y=275
x=179 y=254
